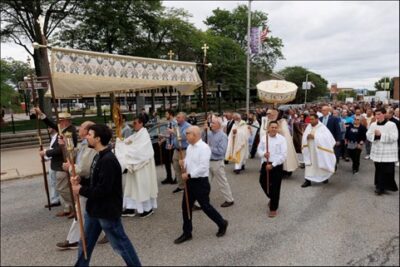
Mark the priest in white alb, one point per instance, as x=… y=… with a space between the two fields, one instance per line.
x=136 y=155
x=318 y=153
x=238 y=144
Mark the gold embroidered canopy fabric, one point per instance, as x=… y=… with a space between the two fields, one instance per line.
x=79 y=73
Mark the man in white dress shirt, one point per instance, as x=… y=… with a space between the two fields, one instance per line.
x=272 y=162
x=196 y=167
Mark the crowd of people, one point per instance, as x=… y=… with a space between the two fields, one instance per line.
x=120 y=179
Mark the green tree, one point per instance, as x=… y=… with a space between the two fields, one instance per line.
x=12 y=72
x=379 y=85
x=297 y=75
x=233 y=24
x=20 y=25
x=109 y=26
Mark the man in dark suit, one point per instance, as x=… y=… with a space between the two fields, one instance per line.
x=332 y=123
x=57 y=159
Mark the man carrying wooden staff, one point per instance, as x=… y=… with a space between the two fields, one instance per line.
x=272 y=165
x=84 y=159
x=103 y=191
x=196 y=167
x=57 y=159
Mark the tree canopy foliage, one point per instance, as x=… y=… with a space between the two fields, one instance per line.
x=11 y=73
x=297 y=75
x=142 y=28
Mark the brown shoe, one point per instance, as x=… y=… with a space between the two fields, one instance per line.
x=62 y=214
x=272 y=214
x=103 y=240
x=71 y=215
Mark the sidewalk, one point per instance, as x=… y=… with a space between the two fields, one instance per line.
x=20 y=163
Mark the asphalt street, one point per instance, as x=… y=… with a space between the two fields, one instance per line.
x=339 y=223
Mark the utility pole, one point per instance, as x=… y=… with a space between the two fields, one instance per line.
x=248 y=60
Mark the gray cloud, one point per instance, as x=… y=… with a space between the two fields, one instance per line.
x=353 y=43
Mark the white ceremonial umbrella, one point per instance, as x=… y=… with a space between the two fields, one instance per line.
x=276 y=91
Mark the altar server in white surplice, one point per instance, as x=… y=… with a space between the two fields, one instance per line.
x=318 y=153
x=136 y=155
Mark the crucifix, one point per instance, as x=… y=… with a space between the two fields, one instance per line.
x=170 y=54
x=205 y=47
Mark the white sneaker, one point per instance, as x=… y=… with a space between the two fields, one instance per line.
x=366 y=157
x=397 y=164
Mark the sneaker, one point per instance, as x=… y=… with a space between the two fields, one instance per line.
x=366 y=157
x=355 y=172
x=397 y=164
x=128 y=213
x=66 y=245
x=146 y=213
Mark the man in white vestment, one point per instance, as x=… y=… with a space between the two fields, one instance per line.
x=136 y=155
x=238 y=143
x=318 y=152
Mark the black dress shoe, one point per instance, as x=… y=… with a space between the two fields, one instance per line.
x=378 y=192
x=195 y=207
x=52 y=205
x=236 y=171
x=243 y=168
x=177 y=190
x=227 y=204
x=174 y=181
x=222 y=229
x=183 y=238
x=306 y=184
x=326 y=181
x=166 y=181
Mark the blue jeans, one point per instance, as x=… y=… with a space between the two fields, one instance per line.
x=52 y=180
x=116 y=235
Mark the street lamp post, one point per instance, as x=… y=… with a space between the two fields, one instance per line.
x=219 y=97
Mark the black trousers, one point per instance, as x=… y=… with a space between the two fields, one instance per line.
x=384 y=176
x=275 y=180
x=343 y=149
x=167 y=160
x=354 y=154
x=199 y=189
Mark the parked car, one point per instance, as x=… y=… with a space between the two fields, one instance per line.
x=154 y=131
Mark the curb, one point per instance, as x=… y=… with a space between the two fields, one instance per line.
x=15 y=177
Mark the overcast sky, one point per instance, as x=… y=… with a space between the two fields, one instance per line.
x=352 y=43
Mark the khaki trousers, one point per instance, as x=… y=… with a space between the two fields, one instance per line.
x=62 y=187
x=217 y=173
x=177 y=167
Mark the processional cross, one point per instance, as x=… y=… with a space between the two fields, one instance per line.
x=205 y=47
x=170 y=54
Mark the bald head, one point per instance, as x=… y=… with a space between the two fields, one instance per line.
x=84 y=128
x=325 y=110
x=193 y=134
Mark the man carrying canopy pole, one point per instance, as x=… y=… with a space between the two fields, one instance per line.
x=42 y=154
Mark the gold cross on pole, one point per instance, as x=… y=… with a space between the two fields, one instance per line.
x=205 y=47
x=170 y=54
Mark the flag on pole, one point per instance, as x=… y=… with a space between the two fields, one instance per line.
x=263 y=35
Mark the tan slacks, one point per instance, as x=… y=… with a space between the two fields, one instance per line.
x=217 y=173
x=62 y=188
x=177 y=167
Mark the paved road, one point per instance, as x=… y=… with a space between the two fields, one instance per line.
x=340 y=223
